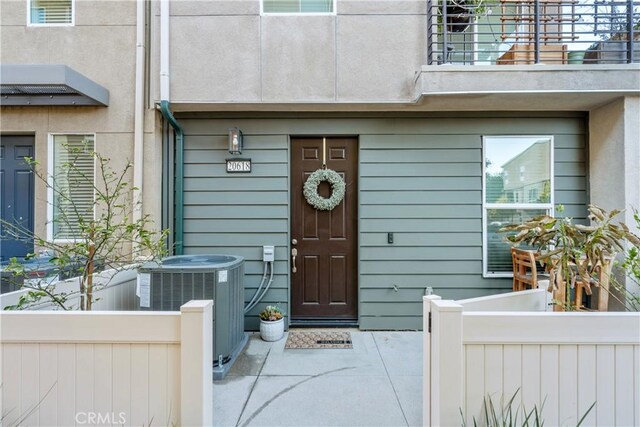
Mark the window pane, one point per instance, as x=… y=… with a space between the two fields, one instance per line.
x=51 y=11
x=498 y=248
x=316 y=6
x=518 y=170
x=282 y=6
x=298 y=6
x=73 y=181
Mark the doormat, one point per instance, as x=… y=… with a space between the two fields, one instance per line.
x=304 y=339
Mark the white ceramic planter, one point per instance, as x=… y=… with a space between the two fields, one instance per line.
x=272 y=331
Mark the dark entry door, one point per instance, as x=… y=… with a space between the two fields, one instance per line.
x=324 y=284
x=16 y=193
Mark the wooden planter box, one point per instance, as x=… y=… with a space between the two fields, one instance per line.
x=524 y=54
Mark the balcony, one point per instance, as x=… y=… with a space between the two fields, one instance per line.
x=529 y=55
x=527 y=32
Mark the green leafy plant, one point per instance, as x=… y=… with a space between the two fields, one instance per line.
x=577 y=252
x=509 y=415
x=460 y=13
x=271 y=313
x=110 y=237
x=630 y=265
x=475 y=7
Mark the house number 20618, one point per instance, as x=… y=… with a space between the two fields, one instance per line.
x=238 y=165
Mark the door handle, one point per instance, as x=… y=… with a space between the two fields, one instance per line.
x=294 y=253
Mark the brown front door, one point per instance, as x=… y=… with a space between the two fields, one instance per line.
x=324 y=284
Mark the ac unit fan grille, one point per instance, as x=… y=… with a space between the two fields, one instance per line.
x=171 y=290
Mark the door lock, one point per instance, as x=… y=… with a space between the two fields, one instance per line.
x=294 y=253
x=294 y=242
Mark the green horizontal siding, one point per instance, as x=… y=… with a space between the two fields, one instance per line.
x=434 y=197
x=422 y=156
x=239 y=213
x=252 y=198
x=235 y=183
x=430 y=196
x=458 y=280
x=454 y=225
x=399 y=211
x=420 y=178
x=409 y=239
x=227 y=212
x=416 y=169
x=422 y=253
x=425 y=266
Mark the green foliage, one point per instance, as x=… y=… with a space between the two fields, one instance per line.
x=578 y=252
x=510 y=415
x=631 y=267
x=6 y=417
x=475 y=7
x=112 y=237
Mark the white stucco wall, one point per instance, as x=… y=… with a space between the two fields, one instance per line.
x=614 y=159
x=614 y=155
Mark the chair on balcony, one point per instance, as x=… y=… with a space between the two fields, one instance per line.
x=525 y=274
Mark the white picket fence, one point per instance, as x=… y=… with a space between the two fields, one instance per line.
x=566 y=361
x=106 y=367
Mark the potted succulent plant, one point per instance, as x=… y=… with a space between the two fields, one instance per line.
x=271 y=323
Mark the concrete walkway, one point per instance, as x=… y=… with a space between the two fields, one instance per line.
x=377 y=383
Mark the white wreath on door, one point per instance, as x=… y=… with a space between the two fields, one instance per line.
x=338 y=187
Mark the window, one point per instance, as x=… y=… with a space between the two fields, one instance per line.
x=50 y=12
x=298 y=6
x=71 y=182
x=505 y=201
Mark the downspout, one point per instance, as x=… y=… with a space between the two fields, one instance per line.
x=165 y=109
x=138 y=126
x=179 y=182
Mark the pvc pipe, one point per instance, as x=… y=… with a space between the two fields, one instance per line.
x=164 y=51
x=138 y=126
x=264 y=292
x=251 y=304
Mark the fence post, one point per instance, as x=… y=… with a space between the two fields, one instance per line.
x=196 y=363
x=426 y=359
x=447 y=367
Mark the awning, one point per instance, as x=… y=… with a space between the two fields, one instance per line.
x=32 y=84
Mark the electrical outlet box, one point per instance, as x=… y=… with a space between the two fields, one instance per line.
x=268 y=253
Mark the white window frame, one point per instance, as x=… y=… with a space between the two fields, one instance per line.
x=50 y=181
x=67 y=24
x=526 y=206
x=333 y=12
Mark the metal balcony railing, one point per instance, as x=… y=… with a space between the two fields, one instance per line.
x=521 y=32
